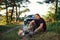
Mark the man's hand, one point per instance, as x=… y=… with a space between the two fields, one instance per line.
x=35 y=31
x=39 y=28
x=20 y=32
x=31 y=25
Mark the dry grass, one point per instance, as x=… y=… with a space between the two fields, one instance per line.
x=46 y=36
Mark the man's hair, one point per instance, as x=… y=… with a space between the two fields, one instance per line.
x=37 y=15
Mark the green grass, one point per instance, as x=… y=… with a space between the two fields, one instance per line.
x=4 y=28
x=54 y=27
x=10 y=36
x=52 y=33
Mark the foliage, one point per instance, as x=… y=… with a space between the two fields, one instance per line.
x=57 y=15
x=21 y=19
x=24 y=11
x=48 y=1
x=1 y=8
x=53 y=26
x=2 y=20
x=50 y=17
x=54 y=13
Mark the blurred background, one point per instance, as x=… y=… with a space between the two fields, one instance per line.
x=14 y=13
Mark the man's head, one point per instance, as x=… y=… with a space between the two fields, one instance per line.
x=37 y=16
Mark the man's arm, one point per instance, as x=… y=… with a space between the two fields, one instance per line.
x=30 y=25
x=39 y=28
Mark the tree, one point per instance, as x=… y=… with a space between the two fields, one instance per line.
x=13 y=4
x=6 y=12
x=57 y=11
x=51 y=13
x=56 y=6
x=48 y=1
x=57 y=15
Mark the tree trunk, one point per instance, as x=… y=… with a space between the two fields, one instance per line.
x=12 y=13
x=56 y=9
x=19 y=12
x=56 y=6
x=16 y=14
x=6 y=12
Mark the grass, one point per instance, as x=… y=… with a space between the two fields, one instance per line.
x=45 y=36
x=13 y=35
x=52 y=33
x=10 y=36
x=54 y=27
x=4 y=28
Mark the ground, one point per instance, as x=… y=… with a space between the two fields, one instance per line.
x=52 y=33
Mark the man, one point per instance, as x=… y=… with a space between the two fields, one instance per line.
x=39 y=24
x=36 y=25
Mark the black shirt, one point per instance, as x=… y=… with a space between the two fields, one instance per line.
x=38 y=22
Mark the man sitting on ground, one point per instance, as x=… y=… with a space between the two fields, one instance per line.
x=37 y=25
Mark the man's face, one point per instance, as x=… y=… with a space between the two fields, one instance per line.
x=37 y=17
